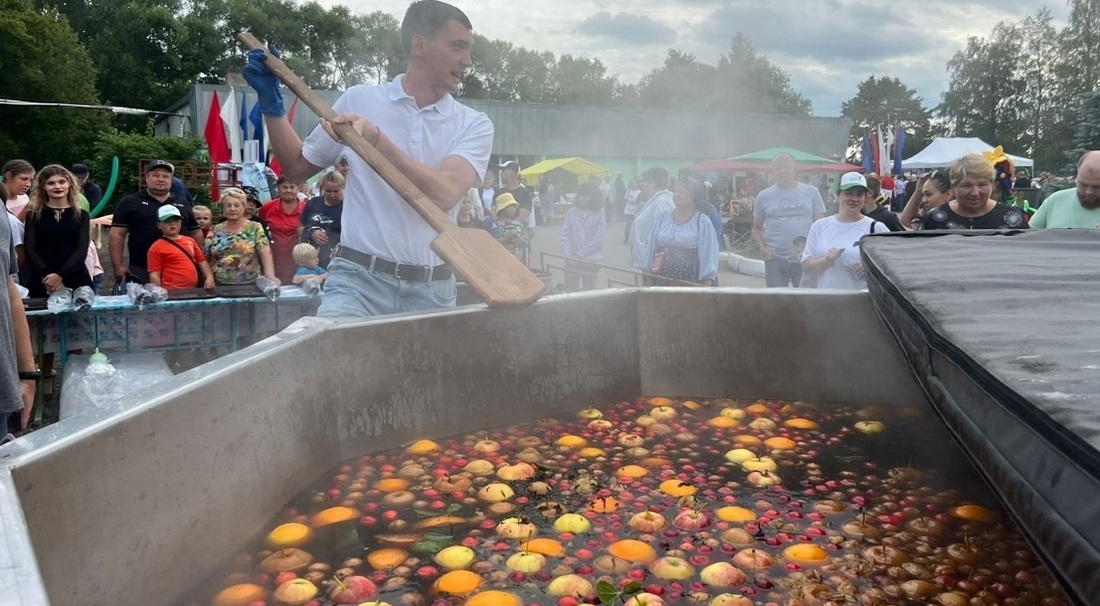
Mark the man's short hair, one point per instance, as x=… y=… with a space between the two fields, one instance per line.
x=428 y=18
x=656 y=175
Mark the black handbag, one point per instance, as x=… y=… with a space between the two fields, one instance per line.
x=198 y=268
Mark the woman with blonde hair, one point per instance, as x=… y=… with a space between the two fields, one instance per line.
x=57 y=234
x=237 y=249
x=972 y=183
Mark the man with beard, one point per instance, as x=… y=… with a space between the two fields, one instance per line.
x=385 y=263
x=321 y=225
x=1078 y=207
x=782 y=213
x=136 y=218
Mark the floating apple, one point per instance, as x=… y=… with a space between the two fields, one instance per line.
x=738 y=456
x=295 y=591
x=672 y=568
x=455 y=557
x=571 y=585
x=759 y=464
x=590 y=413
x=731 y=599
x=663 y=413
x=352 y=590
x=572 y=522
x=645 y=599
x=516 y=528
x=723 y=574
x=526 y=562
x=648 y=522
x=519 y=471
x=479 y=467
x=753 y=559
x=870 y=427
x=763 y=423
x=495 y=492
x=733 y=413
x=692 y=520
x=240 y=595
x=289 y=558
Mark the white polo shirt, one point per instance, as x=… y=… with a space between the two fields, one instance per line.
x=376 y=220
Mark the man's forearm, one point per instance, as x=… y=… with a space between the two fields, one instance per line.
x=445 y=189
x=286 y=146
x=758 y=239
x=24 y=355
x=115 y=241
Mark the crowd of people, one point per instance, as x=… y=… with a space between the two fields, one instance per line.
x=373 y=252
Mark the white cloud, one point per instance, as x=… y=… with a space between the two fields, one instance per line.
x=828 y=46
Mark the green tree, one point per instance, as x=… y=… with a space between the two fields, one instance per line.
x=1087 y=135
x=749 y=83
x=132 y=149
x=985 y=92
x=885 y=103
x=682 y=82
x=43 y=61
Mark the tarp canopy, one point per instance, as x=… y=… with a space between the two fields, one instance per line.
x=735 y=165
x=578 y=166
x=725 y=165
x=767 y=155
x=945 y=150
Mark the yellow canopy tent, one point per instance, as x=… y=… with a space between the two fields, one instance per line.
x=578 y=166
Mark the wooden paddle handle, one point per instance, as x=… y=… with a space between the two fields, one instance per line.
x=396 y=179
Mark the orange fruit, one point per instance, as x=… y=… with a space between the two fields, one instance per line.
x=676 y=488
x=632 y=550
x=780 y=443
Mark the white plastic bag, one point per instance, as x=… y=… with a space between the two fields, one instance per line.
x=60 y=301
x=89 y=385
x=269 y=288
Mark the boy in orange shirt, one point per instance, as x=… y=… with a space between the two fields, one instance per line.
x=174 y=260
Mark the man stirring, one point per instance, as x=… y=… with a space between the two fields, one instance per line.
x=384 y=263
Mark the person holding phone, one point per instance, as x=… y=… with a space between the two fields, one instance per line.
x=831 y=254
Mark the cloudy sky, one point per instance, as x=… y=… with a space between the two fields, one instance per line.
x=827 y=46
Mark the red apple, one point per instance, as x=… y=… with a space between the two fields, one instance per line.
x=352 y=590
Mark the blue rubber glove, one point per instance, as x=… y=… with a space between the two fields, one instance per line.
x=265 y=83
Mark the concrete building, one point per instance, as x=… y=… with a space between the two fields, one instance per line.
x=627 y=140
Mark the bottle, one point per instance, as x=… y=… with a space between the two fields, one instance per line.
x=60 y=301
x=312 y=287
x=268 y=287
x=84 y=298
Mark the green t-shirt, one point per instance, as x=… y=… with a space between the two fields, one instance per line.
x=1062 y=209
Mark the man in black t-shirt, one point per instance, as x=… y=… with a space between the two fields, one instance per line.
x=320 y=219
x=511 y=184
x=136 y=218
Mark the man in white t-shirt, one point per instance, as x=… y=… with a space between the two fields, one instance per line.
x=385 y=263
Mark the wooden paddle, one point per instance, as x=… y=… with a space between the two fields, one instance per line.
x=494 y=273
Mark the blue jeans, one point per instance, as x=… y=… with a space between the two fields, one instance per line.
x=354 y=290
x=780 y=273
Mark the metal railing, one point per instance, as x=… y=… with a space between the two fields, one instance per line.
x=620 y=277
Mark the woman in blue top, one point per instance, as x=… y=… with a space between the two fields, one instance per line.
x=683 y=246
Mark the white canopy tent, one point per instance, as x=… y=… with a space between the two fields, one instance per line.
x=945 y=150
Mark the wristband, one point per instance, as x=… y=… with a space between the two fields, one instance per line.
x=32 y=375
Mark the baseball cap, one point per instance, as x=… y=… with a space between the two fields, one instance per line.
x=79 y=169
x=850 y=180
x=165 y=164
x=168 y=211
x=510 y=165
x=504 y=201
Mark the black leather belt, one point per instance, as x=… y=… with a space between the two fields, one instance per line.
x=401 y=271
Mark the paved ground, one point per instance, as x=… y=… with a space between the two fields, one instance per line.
x=617 y=254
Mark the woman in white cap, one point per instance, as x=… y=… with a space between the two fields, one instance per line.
x=831 y=254
x=57 y=234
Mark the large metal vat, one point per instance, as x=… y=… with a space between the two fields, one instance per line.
x=136 y=505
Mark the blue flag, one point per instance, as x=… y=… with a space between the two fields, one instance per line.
x=257 y=120
x=899 y=145
x=867 y=154
x=244 y=117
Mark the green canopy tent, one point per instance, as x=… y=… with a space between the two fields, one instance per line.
x=767 y=155
x=577 y=166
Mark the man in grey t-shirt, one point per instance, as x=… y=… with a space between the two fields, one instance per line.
x=783 y=212
x=18 y=377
